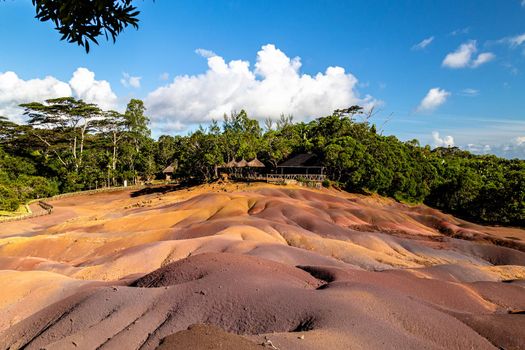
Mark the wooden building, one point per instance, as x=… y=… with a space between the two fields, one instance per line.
x=305 y=163
x=305 y=166
x=247 y=170
x=169 y=171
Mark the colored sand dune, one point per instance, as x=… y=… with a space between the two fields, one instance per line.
x=248 y=265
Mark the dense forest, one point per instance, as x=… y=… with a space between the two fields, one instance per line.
x=69 y=145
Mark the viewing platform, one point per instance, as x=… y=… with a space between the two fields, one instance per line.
x=276 y=178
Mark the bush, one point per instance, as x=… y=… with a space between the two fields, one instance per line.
x=326 y=183
x=8 y=199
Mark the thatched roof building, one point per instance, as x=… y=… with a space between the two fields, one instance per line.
x=255 y=163
x=305 y=163
x=169 y=169
x=242 y=163
x=230 y=164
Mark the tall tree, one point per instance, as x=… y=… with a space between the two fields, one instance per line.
x=137 y=149
x=112 y=127
x=62 y=123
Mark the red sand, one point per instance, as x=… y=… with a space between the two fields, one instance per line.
x=296 y=268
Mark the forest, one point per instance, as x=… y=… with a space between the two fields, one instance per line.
x=69 y=145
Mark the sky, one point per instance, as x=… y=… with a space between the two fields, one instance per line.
x=443 y=72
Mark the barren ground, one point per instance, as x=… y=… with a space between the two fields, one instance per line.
x=257 y=264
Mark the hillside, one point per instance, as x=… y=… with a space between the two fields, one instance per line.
x=281 y=265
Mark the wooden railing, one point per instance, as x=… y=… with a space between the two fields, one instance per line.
x=279 y=177
x=296 y=177
x=46 y=209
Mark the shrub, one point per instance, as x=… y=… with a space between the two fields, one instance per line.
x=8 y=199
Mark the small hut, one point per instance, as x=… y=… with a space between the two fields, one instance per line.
x=169 y=171
x=244 y=169
x=255 y=163
x=255 y=169
x=242 y=163
x=230 y=164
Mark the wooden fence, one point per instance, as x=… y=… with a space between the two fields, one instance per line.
x=45 y=209
x=296 y=177
x=280 y=177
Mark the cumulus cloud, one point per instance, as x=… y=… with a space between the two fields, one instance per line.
x=434 y=98
x=461 y=57
x=520 y=140
x=273 y=86
x=423 y=43
x=164 y=76
x=464 y=57
x=87 y=88
x=15 y=90
x=446 y=141
x=130 y=81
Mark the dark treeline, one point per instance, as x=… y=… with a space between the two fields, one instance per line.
x=68 y=145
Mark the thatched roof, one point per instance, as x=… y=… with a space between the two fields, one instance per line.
x=242 y=163
x=306 y=160
x=255 y=163
x=169 y=169
x=230 y=164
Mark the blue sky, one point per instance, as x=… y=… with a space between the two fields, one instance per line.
x=474 y=97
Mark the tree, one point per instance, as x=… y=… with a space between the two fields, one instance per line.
x=166 y=150
x=241 y=135
x=112 y=127
x=72 y=118
x=137 y=151
x=84 y=21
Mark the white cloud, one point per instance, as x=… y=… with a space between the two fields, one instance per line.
x=205 y=53
x=446 y=141
x=463 y=56
x=469 y=92
x=14 y=91
x=482 y=59
x=273 y=86
x=422 y=44
x=164 y=76
x=434 y=98
x=522 y=3
x=513 y=149
x=85 y=87
x=130 y=81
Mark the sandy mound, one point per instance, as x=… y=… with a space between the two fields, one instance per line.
x=206 y=337
x=126 y=270
x=249 y=295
